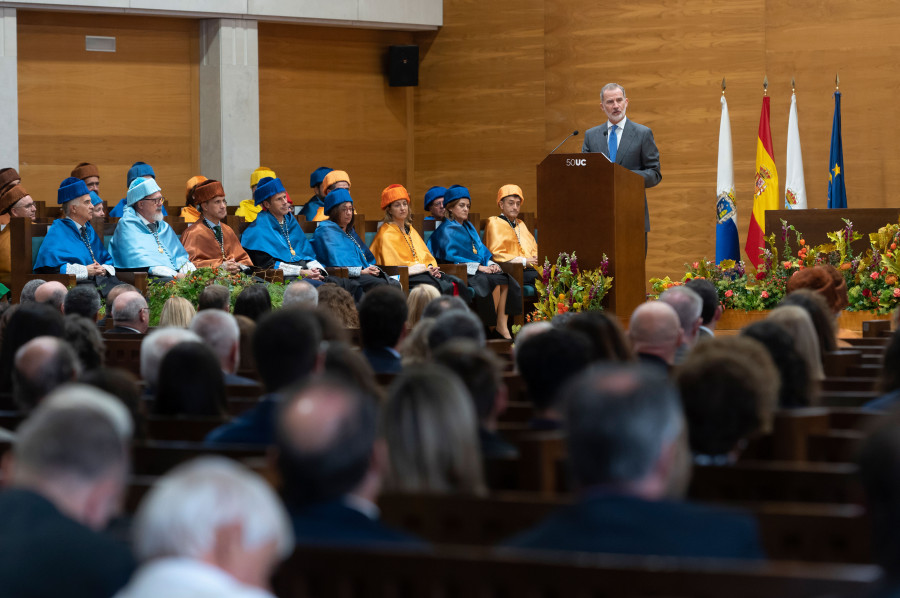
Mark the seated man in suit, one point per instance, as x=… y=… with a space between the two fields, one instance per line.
x=689 y=307
x=508 y=238
x=712 y=307
x=332 y=466
x=143 y=241
x=655 y=333
x=382 y=325
x=130 y=314
x=138 y=170
x=209 y=242
x=219 y=331
x=64 y=480
x=629 y=459
x=71 y=245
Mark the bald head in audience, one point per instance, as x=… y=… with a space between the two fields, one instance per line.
x=116 y=291
x=130 y=311
x=302 y=294
x=52 y=293
x=655 y=332
x=41 y=365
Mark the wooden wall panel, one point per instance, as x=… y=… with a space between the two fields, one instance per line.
x=670 y=56
x=113 y=109
x=479 y=104
x=325 y=100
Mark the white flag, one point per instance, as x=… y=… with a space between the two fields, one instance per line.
x=794 y=185
x=727 y=247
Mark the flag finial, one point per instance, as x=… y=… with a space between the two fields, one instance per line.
x=723 y=85
x=766 y=85
x=793 y=85
x=837 y=82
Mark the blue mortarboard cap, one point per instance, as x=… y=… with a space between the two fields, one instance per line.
x=139 y=169
x=433 y=194
x=318 y=175
x=337 y=197
x=266 y=188
x=456 y=192
x=71 y=188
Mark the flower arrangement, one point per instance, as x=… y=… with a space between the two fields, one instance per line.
x=563 y=287
x=872 y=279
x=193 y=284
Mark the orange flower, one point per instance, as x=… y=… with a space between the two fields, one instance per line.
x=891 y=280
x=802 y=242
x=846 y=266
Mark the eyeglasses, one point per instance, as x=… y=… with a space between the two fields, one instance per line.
x=157 y=200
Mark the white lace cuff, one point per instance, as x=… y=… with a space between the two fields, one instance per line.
x=314 y=265
x=355 y=271
x=186 y=267
x=79 y=270
x=289 y=269
x=109 y=269
x=163 y=271
x=472 y=268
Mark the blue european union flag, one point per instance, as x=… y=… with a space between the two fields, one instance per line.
x=837 y=192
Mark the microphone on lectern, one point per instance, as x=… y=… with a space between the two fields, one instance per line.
x=569 y=136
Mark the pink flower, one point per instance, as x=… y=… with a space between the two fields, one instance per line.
x=729 y=293
x=874 y=275
x=897 y=292
x=765 y=294
x=695 y=265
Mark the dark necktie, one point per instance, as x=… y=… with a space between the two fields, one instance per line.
x=84 y=235
x=217 y=229
x=152 y=226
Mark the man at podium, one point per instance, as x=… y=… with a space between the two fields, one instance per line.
x=625 y=142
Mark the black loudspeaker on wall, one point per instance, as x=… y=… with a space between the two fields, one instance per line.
x=403 y=66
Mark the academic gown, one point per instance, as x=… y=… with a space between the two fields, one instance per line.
x=314 y=210
x=133 y=246
x=119 y=210
x=336 y=249
x=204 y=250
x=391 y=247
x=64 y=245
x=266 y=245
x=503 y=242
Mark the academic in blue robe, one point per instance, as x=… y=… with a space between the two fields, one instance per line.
x=311 y=208
x=134 y=246
x=456 y=243
x=265 y=235
x=336 y=249
x=119 y=210
x=64 y=245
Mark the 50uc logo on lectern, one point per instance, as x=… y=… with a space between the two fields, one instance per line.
x=576 y=162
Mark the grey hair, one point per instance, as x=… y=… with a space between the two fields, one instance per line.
x=610 y=87
x=155 y=346
x=185 y=508
x=619 y=420
x=300 y=293
x=687 y=304
x=29 y=289
x=218 y=329
x=129 y=309
x=456 y=324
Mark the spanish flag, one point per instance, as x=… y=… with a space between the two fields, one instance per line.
x=765 y=195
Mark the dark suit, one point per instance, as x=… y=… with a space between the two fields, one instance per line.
x=383 y=361
x=44 y=553
x=234 y=379
x=335 y=523
x=636 y=151
x=628 y=525
x=255 y=426
x=121 y=330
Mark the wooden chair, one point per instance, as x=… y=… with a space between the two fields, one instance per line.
x=25 y=239
x=153 y=457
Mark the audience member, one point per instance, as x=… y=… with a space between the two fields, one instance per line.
x=546 y=361
x=111 y=299
x=455 y=324
x=177 y=312
x=530 y=329
x=210 y=527
x=29 y=289
x=382 y=325
x=605 y=334
x=655 y=333
x=822 y=317
x=214 y=296
x=889 y=378
x=729 y=391
x=286 y=349
x=300 y=293
x=414 y=348
x=84 y=337
x=65 y=476
x=444 y=303
x=52 y=293
x=29 y=321
x=248 y=329
x=339 y=303
x=712 y=306
x=796 y=388
x=481 y=372
x=626 y=446
x=333 y=331
x=154 y=347
x=689 y=307
x=825 y=280
x=219 y=330
x=430 y=428
x=332 y=466
x=123 y=385
x=83 y=300
x=130 y=314
x=345 y=362
x=190 y=382
x=418 y=298
x=42 y=364
x=253 y=302
x=800 y=327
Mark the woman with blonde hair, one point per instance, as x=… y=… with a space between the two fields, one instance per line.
x=799 y=324
x=177 y=312
x=418 y=298
x=431 y=430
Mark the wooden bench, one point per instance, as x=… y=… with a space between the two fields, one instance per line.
x=451 y=572
x=154 y=458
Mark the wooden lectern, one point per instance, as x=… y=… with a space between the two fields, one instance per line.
x=591 y=206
